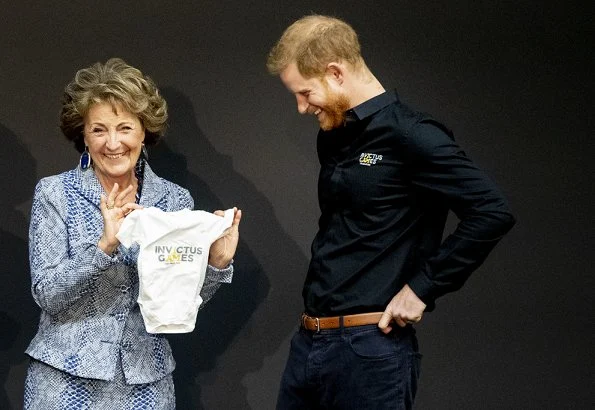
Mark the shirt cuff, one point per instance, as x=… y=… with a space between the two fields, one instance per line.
x=103 y=261
x=224 y=275
x=422 y=287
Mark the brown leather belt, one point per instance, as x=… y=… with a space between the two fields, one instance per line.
x=320 y=323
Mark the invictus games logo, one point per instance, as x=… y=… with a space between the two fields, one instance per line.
x=177 y=254
x=368 y=159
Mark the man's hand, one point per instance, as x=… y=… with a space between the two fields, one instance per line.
x=404 y=308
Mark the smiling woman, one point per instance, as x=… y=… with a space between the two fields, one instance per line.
x=110 y=111
x=92 y=349
x=114 y=82
x=114 y=138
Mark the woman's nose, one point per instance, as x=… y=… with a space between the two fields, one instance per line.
x=113 y=139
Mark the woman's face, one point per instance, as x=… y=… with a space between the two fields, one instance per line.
x=114 y=139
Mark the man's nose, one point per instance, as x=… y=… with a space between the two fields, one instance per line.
x=302 y=104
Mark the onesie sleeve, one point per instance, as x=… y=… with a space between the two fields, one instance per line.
x=127 y=232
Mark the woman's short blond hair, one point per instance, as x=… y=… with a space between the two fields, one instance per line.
x=312 y=42
x=117 y=83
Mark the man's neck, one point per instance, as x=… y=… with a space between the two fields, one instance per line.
x=364 y=87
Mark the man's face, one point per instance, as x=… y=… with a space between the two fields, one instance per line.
x=318 y=96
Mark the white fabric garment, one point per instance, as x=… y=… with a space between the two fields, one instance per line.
x=172 y=263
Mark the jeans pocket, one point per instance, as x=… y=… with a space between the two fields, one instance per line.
x=415 y=370
x=373 y=344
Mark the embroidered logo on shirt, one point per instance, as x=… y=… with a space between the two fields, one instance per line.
x=173 y=255
x=368 y=159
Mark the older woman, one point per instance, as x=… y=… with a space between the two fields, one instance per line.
x=92 y=350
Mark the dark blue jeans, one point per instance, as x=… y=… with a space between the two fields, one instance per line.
x=351 y=368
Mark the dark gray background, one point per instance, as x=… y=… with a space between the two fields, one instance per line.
x=513 y=79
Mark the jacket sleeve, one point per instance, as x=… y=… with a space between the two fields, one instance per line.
x=213 y=280
x=441 y=170
x=60 y=276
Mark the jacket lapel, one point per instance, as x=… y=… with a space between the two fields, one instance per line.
x=153 y=189
x=89 y=186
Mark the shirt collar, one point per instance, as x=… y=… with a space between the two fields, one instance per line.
x=369 y=107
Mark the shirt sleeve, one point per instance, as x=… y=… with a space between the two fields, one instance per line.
x=441 y=169
x=59 y=276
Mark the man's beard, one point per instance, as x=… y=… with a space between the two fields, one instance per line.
x=333 y=113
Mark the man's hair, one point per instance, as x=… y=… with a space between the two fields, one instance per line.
x=312 y=42
x=114 y=82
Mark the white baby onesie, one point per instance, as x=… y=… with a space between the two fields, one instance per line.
x=172 y=263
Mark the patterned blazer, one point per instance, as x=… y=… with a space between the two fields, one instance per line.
x=89 y=314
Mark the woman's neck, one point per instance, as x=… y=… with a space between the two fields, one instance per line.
x=123 y=181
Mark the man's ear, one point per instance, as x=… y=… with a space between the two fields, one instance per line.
x=336 y=72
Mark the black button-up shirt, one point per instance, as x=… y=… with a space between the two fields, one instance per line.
x=388 y=178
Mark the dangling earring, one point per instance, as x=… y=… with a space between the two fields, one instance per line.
x=144 y=152
x=85 y=161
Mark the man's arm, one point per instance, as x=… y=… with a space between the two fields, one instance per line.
x=440 y=169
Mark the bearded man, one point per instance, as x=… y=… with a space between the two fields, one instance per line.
x=389 y=176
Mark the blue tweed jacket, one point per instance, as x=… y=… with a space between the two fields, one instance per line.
x=89 y=314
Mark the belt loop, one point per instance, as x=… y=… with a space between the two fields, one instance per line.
x=317 y=325
x=341 y=324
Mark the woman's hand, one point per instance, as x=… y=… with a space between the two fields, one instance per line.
x=114 y=208
x=224 y=248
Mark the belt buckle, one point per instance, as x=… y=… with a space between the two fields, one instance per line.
x=305 y=317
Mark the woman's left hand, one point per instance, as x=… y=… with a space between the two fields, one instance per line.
x=224 y=248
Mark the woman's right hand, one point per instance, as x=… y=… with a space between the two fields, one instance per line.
x=114 y=209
